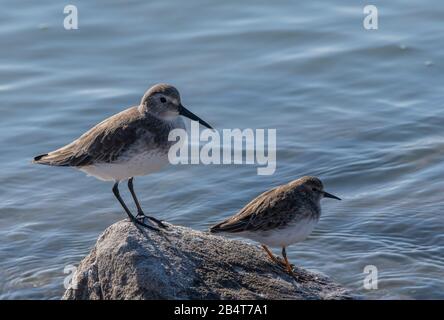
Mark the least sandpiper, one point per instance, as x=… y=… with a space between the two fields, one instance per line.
x=279 y=217
x=131 y=143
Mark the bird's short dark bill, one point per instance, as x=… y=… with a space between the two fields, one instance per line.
x=187 y=113
x=329 y=195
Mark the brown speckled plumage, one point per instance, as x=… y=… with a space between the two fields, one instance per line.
x=110 y=139
x=279 y=217
x=276 y=208
x=116 y=135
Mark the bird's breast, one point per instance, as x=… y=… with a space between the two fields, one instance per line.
x=131 y=165
x=295 y=231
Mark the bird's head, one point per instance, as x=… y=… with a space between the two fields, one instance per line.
x=313 y=187
x=163 y=101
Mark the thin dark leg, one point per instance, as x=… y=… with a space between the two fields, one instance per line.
x=136 y=201
x=139 y=208
x=128 y=212
x=287 y=264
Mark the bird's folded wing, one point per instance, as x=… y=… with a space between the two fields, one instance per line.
x=103 y=143
x=267 y=211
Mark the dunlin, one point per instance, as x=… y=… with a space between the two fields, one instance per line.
x=131 y=143
x=279 y=217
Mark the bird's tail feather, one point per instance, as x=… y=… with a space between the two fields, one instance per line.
x=223 y=227
x=229 y=226
x=58 y=157
x=39 y=158
x=215 y=229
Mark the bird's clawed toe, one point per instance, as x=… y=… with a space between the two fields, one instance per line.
x=283 y=263
x=287 y=267
x=159 y=223
x=140 y=220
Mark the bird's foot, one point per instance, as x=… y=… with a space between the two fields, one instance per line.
x=288 y=268
x=279 y=261
x=140 y=220
x=142 y=217
x=283 y=264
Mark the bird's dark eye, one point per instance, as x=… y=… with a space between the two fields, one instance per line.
x=314 y=189
x=163 y=100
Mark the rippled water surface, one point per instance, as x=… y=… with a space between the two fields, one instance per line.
x=361 y=109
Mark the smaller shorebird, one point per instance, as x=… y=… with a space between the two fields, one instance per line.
x=279 y=217
x=131 y=143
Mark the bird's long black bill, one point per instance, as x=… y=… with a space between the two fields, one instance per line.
x=187 y=113
x=329 y=195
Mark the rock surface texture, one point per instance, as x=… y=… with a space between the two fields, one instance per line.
x=181 y=263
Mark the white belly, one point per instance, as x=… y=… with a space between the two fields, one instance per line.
x=136 y=165
x=295 y=232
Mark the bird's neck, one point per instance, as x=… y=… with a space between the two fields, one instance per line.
x=154 y=120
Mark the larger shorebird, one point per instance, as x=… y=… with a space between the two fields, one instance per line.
x=131 y=143
x=279 y=217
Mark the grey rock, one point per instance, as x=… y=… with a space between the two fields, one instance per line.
x=181 y=263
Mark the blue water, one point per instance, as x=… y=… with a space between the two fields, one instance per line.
x=361 y=109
